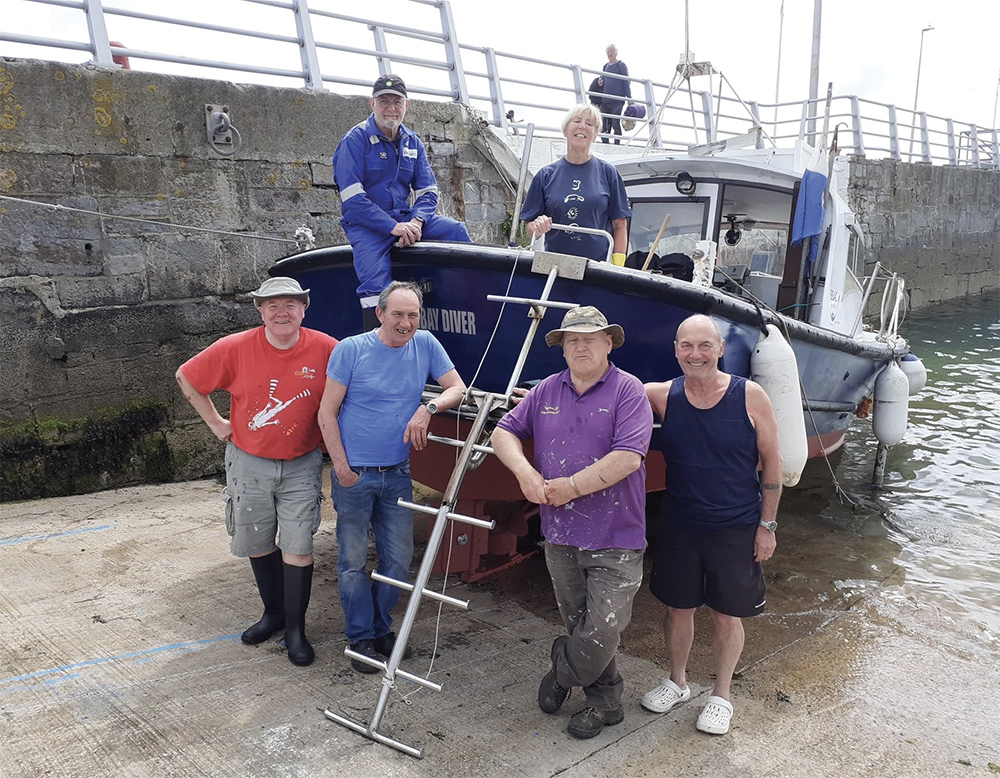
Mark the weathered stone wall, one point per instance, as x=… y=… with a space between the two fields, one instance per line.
x=939 y=227
x=99 y=312
x=96 y=313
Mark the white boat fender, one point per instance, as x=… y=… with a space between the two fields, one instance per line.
x=773 y=366
x=892 y=400
x=915 y=371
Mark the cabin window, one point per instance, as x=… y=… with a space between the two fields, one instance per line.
x=757 y=219
x=686 y=228
x=856 y=256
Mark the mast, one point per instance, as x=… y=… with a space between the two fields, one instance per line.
x=814 y=69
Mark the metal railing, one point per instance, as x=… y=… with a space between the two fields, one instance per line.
x=304 y=43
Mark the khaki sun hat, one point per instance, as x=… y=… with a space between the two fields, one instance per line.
x=586 y=318
x=280 y=286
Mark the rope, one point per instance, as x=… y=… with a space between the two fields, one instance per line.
x=70 y=209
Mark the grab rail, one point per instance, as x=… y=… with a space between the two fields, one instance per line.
x=473 y=75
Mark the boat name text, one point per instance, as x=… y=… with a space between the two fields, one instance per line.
x=446 y=320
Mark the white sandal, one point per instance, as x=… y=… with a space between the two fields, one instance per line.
x=715 y=716
x=665 y=696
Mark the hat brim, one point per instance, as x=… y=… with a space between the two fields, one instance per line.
x=304 y=297
x=554 y=338
x=388 y=91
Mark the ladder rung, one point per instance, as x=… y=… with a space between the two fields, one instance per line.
x=496 y=298
x=463 y=604
x=361 y=729
x=401 y=673
x=454 y=442
x=453 y=516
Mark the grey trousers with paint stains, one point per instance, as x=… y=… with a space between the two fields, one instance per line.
x=594 y=591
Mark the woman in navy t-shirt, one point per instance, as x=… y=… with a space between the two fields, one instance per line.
x=579 y=190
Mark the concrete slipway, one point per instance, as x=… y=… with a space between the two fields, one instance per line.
x=120 y=615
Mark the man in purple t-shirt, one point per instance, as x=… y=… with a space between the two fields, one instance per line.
x=591 y=425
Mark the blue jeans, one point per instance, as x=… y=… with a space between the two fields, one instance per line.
x=371 y=503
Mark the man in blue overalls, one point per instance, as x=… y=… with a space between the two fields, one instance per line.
x=376 y=166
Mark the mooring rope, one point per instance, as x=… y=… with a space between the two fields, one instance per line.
x=71 y=209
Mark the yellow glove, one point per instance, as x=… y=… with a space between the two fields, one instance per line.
x=618 y=259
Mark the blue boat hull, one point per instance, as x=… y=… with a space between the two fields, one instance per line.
x=837 y=373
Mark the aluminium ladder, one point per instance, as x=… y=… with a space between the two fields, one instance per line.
x=554 y=265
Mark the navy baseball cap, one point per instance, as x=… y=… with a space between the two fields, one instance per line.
x=390 y=83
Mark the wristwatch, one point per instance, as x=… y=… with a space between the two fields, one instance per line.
x=432 y=407
x=769 y=525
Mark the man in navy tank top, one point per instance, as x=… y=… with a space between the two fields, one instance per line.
x=717 y=523
x=591 y=426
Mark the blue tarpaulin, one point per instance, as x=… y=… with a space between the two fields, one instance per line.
x=809 y=212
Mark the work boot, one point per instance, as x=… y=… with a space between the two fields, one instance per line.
x=590 y=721
x=387 y=642
x=551 y=695
x=298 y=585
x=366 y=648
x=271 y=585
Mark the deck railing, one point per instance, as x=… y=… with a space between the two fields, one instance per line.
x=304 y=43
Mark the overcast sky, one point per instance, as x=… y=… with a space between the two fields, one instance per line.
x=869 y=47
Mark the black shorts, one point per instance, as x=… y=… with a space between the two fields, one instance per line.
x=693 y=567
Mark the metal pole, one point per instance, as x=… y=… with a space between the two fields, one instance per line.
x=98 y=33
x=515 y=376
x=307 y=46
x=521 y=178
x=777 y=75
x=916 y=92
x=995 y=98
x=814 y=69
x=456 y=71
x=878 y=475
x=687 y=41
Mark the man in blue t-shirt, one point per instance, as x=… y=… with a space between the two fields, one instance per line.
x=370 y=416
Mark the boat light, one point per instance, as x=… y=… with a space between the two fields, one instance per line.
x=685 y=184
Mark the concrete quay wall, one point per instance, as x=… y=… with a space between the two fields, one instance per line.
x=939 y=227
x=97 y=313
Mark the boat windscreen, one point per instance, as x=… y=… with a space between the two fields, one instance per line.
x=686 y=228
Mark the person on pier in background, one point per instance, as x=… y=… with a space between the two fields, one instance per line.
x=274 y=466
x=616 y=91
x=377 y=167
x=718 y=517
x=580 y=190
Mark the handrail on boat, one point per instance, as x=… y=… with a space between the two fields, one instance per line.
x=589 y=231
x=893 y=294
x=895 y=287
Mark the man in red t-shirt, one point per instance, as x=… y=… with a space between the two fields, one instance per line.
x=275 y=376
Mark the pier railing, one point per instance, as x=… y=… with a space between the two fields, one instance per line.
x=306 y=44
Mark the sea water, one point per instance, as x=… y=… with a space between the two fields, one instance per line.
x=939 y=505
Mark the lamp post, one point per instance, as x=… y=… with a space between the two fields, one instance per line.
x=777 y=76
x=995 y=99
x=916 y=92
